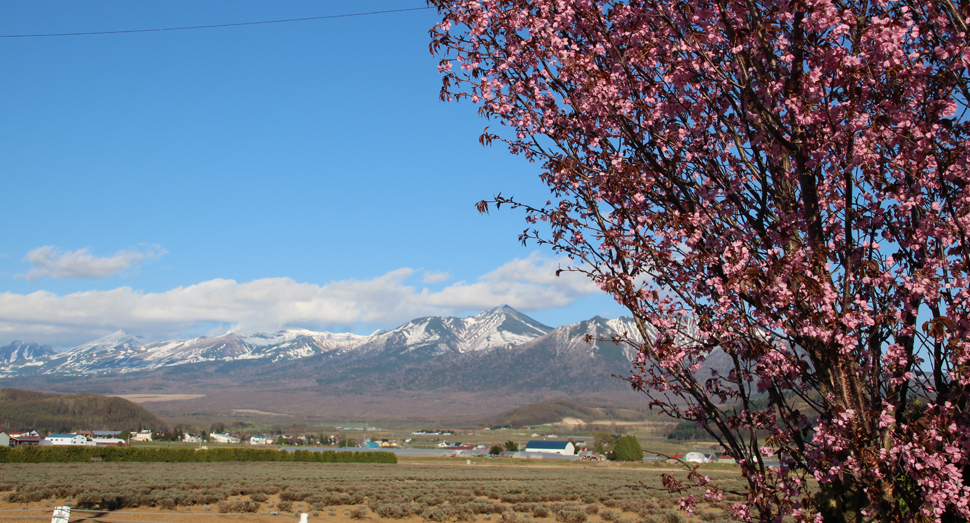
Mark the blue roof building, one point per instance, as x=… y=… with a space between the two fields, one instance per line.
x=551 y=447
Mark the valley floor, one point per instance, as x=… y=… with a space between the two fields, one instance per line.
x=436 y=490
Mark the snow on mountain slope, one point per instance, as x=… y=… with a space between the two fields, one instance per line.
x=498 y=328
x=116 y=351
x=20 y=352
x=281 y=345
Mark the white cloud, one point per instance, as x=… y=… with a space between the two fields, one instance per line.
x=435 y=277
x=55 y=263
x=266 y=304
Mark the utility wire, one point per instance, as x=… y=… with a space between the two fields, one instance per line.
x=214 y=26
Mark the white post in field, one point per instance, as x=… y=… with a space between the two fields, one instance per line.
x=61 y=515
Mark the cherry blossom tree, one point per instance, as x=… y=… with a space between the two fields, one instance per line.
x=781 y=184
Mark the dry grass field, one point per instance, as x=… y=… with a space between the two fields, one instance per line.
x=498 y=491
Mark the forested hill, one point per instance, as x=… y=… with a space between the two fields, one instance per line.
x=57 y=412
x=587 y=410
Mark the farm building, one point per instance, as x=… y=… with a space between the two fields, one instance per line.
x=67 y=439
x=696 y=457
x=145 y=435
x=108 y=442
x=551 y=447
x=260 y=440
x=16 y=441
x=222 y=438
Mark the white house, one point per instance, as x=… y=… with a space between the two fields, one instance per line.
x=188 y=438
x=260 y=440
x=696 y=457
x=145 y=435
x=222 y=438
x=67 y=439
x=551 y=447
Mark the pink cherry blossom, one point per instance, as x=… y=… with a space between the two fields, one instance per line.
x=780 y=186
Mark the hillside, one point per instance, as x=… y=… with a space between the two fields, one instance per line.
x=55 y=412
x=587 y=410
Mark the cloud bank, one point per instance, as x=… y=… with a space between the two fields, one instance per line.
x=51 y=262
x=271 y=303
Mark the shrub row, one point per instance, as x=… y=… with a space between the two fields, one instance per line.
x=72 y=454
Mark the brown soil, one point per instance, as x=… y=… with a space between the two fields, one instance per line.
x=42 y=511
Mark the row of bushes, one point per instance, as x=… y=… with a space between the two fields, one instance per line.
x=72 y=454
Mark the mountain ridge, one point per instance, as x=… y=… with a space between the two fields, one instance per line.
x=120 y=352
x=432 y=366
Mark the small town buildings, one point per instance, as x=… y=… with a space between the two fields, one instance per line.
x=551 y=447
x=145 y=435
x=25 y=441
x=67 y=439
x=260 y=440
x=223 y=438
x=189 y=438
x=23 y=432
x=15 y=438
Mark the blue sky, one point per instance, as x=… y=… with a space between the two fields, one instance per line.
x=286 y=175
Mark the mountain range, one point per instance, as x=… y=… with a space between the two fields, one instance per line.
x=429 y=366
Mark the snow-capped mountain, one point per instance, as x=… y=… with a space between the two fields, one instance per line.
x=119 y=352
x=572 y=338
x=498 y=328
x=282 y=345
x=19 y=352
x=448 y=362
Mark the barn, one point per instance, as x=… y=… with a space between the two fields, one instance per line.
x=551 y=447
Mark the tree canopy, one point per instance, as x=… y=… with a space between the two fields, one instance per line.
x=782 y=183
x=627 y=449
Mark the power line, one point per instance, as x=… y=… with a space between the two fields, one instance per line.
x=214 y=26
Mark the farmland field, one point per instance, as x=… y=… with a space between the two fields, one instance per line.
x=437 y=490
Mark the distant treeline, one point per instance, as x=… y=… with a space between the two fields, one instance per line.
x=688 y=430
x=554 y=411
x=78 y=454
x=68 y=412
